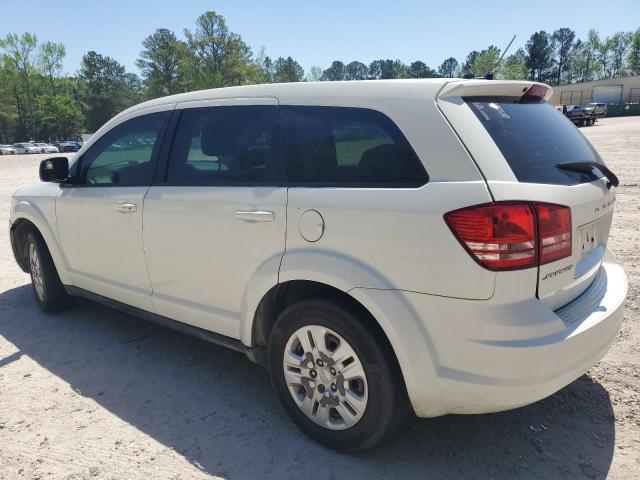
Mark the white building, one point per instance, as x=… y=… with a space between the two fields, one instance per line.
x=612 y=91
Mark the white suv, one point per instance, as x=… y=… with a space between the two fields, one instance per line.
x=385 y=246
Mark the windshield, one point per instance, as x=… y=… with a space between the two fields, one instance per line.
x=533 y=138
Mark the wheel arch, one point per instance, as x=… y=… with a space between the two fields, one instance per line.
x=27 y=217
x=284 y=294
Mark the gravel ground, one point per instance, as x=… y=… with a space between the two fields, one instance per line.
x=91 y=392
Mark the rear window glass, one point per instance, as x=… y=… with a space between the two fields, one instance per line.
x=534 y=137
x=347 y=147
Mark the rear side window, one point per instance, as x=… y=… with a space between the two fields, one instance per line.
x=534 y=137
x=347 y=147
x=227 y=145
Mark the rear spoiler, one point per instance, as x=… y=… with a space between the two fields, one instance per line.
x=495 y=88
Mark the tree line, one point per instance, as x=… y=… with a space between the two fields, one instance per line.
x=38 y=102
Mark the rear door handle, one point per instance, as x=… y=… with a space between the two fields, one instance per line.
x=125 y=207
x=255 y=216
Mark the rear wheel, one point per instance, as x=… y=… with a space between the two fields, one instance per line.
x=49 y=291
x=335 y=379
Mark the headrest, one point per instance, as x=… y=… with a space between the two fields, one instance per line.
x=216 y=141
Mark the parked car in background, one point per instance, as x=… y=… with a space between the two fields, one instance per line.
x=46 y=148
x=373 y=258
x=596 y=109
x=579 y=115
x=7 y=150
x=67 y=146
x=26 y=148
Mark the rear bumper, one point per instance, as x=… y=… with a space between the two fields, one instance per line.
x=494 y=355
x=532 y=369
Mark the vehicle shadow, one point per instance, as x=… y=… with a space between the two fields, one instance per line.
x=217 y=409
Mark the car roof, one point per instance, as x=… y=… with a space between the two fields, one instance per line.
x=355 y=93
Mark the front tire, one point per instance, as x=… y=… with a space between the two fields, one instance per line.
x=337 y=381
x=48 y=289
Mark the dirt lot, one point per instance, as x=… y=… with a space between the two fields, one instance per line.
x=92 y=392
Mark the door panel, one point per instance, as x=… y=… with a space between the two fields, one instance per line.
x=103 y=246
x=202 y=255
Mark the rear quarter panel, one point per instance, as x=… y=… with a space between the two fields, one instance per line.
x=390 y=238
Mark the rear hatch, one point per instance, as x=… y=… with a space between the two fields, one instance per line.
x=529 y=152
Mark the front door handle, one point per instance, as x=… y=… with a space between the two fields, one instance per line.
x=125 y=207
x=255 y=216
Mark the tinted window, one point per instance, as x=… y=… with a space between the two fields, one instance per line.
x=226 y=146
x=350 y=147
x=534 y=137
x=123 y=155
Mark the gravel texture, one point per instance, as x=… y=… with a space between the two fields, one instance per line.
x=91 y=392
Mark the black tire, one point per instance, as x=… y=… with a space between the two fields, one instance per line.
x=387 y=404
x=52 y=296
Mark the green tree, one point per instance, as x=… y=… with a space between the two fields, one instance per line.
x=603 y=55
x=19 y=58
x=465 y=70
x=159 y=63
x=288 y=70
x=334 y=73
x=449 y=68
x=419 y=69
x=633 y=58
x=50 y=60
x=584 y=59
x=619 y=46
x=386 y=69
x=58 y=117
x=486 y=62
x=355 y=71
x=217 y=57
x=10 y=125
x=105 y=89
x=515 y=66
x=539 y=55
x=315 y=74
x=562 y=43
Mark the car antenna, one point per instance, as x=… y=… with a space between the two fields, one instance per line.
x=490 y=75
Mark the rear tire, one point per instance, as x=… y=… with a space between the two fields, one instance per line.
x=48 y=289
x=349 y=402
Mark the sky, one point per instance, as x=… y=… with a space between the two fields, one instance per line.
x=315 y=33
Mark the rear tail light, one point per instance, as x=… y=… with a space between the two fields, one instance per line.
x=554 y=226
x=513 y=235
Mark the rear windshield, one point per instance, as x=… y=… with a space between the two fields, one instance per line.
x=534 y=137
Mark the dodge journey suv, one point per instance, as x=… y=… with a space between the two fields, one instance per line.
x=381 y=247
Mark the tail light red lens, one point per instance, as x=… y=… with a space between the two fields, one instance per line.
x=510 y=236
x=554 y=226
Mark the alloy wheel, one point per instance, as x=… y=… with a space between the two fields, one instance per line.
x=36 y=270
x=325 y=377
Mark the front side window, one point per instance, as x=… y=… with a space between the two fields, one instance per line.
x=226 y=145
x=123 y=156
x=347 y=147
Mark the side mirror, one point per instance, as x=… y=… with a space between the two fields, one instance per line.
x=54 y=169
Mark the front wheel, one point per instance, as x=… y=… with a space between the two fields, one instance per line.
x=337 y=381
x=49 y=291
